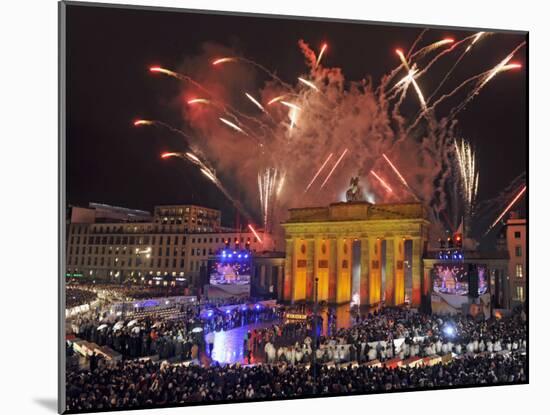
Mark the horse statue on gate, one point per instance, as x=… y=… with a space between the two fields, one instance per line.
x=354 y=192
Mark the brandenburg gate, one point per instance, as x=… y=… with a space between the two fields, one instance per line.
x=320 y=241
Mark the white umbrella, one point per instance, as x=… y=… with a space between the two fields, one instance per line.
x=196 y=330
x=118 y=325
x=131 y=323
x=136 y=329
x=102 y=327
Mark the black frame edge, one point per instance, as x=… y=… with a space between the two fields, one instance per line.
x=61 y=231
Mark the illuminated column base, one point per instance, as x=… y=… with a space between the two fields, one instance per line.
x=399 y=271
x=321 y=269
x=332 y=270
x=375 y=271
x=343 y=283
x=310 y=250
x=299 y=271
x=289 y=271
x=416 y=299
x=364 y=280
x=390 y=274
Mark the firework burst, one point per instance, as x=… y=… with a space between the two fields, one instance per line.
x=328 y=120
x=469 y=175
x=469 y=180
x=270 y=183
x=507 y=208
x=329 y=175
x=318 y=60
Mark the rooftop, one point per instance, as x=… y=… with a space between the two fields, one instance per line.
x=349 y=211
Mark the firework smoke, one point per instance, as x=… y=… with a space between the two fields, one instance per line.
x=329 y=175
x=276 y=99
x=357 y=120
x=308 y=83
x=211 y=175
x=223 y=60
x=270 y=184
x=319 y=172
x=469 y=174
x=399 y=175
x=198 y=101
x=234 y=126
x=318 y=60
x=254 y=101
x=255 y=233
x=291 y=105
x=382 y=182
x=469 y=180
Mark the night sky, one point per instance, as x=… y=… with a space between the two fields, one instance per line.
x=109 y=51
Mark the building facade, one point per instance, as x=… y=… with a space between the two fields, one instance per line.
x=355 y=248
x=189 y=218
x=496 y=269
x=516 y=242
x=267 y=275
x=175 y=242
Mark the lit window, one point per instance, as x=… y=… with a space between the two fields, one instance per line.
x=519 y=271
x=519 y=293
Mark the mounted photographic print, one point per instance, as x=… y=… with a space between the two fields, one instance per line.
x=260 y=208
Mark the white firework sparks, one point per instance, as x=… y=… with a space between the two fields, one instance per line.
x=352 y=124
x=270 y=185
x=469 y=176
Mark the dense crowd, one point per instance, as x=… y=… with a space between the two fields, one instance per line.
x=178 y=333
x=133 y=384
x=148 y=336
x=133 y=291
x=76 y=297
x=375 y=336
x=117 y=291
x=239 y=316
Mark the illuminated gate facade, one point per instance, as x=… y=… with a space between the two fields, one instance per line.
x=319 y=244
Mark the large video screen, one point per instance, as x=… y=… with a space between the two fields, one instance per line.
x=231 y=268
x=482 y=279
x=452 y=278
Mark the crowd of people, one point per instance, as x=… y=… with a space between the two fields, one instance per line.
x=127 y=291
x=77 y=297
x=167 y=338
x=293 y=358
x=135 y=384
x=397 y=332
x=177 y=334
x=216 y=320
